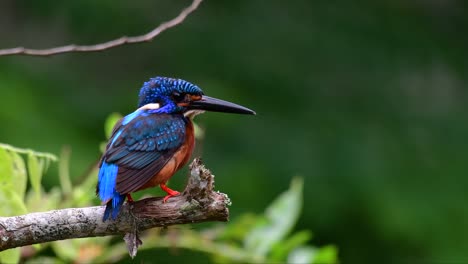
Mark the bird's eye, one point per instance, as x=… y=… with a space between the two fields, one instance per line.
x=178 y=97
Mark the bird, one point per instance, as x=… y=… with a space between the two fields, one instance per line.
x=148 y=146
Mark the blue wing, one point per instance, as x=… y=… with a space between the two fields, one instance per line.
x=140 y=145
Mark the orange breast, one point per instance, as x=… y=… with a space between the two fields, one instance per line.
x=178 y=160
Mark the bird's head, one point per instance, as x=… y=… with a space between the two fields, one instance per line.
x=169 y=95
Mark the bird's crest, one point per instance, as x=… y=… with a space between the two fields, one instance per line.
x=159 y=87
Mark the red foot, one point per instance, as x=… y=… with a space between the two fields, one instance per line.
x=129 y=198
x=170 y=192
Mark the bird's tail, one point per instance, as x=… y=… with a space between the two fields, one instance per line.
x=106 y=190
x=113 y=207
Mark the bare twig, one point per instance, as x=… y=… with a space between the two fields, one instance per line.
x=106 y=45
x=198 y=203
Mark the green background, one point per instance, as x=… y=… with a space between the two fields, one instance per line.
x=365 y=100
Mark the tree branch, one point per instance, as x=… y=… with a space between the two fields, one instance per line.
x=198 y=203
x=109 y=44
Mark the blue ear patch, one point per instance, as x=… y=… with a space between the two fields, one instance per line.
x=107 y=193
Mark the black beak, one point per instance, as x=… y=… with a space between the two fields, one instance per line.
x=216 y=105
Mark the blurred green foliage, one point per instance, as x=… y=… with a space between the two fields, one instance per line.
x=13 y=182
x=365 y=99
x=252 y=239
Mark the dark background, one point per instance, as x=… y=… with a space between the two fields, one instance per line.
x=367 y=101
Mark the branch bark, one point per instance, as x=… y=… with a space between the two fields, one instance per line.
x=198 y=203
x=109 y=44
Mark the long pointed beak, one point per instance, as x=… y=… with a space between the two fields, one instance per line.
x=217 y=105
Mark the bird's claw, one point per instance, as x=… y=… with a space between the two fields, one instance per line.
x=129 y=198
x=171 y=194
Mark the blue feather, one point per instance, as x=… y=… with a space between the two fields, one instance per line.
x=116 y=136
x=106 y=183
x=130 y=117
x=113 y=207
x=106 y=179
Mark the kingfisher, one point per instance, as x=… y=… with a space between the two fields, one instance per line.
x=147 y=147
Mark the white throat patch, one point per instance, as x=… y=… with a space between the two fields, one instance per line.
x=192 y=113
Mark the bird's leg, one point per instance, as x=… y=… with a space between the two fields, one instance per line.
x=169 y=191
x=129 y=198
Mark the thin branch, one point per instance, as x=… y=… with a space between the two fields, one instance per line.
x=198 y=203
x=109 y=44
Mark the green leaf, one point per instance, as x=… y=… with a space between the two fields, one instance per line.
x=43 y=155
x=283 y=248
x=326 y=254
x=81 y=193
x=102 y=146
x=46 y=165
x=64 y=172
x=35 y=166
x=19 y=175
x=65 y=249
x=44 y=259
x=51 y=200
x=110 y=122
x=303 y=255
x=38 y=247
x=6 y=168
x=280 y=218
x=47 y=201
x=10 y=202
x=10 y=255
x=240 y=227
x=308 y=254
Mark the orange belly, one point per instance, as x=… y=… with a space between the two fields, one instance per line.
x=178 y=160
